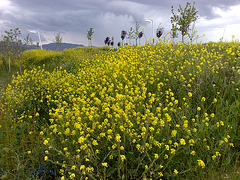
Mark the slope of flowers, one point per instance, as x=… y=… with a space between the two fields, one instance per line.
x=137 y=112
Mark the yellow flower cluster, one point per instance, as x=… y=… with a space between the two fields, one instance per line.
x=138 y=107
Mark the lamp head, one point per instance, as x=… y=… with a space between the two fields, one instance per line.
x=32 y=31
x=148 y=20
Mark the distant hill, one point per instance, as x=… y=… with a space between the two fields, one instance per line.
x=52 y=46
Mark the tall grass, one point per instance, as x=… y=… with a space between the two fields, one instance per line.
x=150 y=112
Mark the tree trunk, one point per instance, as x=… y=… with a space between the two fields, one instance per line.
x=4 y=63
x=9 y=63
x=20 y=69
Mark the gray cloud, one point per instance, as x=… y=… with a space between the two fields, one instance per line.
x=107 y=17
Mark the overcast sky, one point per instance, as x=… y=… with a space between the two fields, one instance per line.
x=72 y=18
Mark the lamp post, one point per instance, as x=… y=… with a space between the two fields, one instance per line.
x=150 y=20
x=37 y=32
x=224 y=32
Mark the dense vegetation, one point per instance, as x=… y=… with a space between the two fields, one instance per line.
x=168 y=111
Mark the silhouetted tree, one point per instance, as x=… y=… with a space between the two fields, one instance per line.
x=106 y=41
x=159 y=32
x=123 y=35
x=118 y=44
x=140 y=35
x=112 y=42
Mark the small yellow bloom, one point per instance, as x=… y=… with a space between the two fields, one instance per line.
x=182 y=142
x=165 y=156
x=72 y=176
x=118 y=138
x=45 y=142
x=111 y=157
x=175 y=172
x=29 y=152
x=201 y=163
x=105 y=164
x=122 y=157
x=95 y=143
x=217 y=153
x=160 y=174
x=225 y=139
x=212 y=115
x=193 y=153
x=173 y=151
x=189 y=94
x=174 y=132
x=45 y=158
x=82 y=167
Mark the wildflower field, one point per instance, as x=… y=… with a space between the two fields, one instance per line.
x=169 y=111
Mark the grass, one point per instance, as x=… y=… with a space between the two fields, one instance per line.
x=150 y=112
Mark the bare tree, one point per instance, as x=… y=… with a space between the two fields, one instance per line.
x=13 y=44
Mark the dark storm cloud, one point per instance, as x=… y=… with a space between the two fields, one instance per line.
x=54 y=15
x=204 y=7
x=73 y=15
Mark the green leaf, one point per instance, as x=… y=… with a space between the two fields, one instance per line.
x=5 y=176
x=6 y=149
x=111 y=172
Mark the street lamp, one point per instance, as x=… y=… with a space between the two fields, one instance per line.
x=150 y=20
x=224 y=32
x=37 y=32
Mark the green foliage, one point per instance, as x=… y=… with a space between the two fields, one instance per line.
x=28 y=40
x=58 y=41
x=133 y=33
x=182 y=21
x=12 y=45
x=89 y=35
